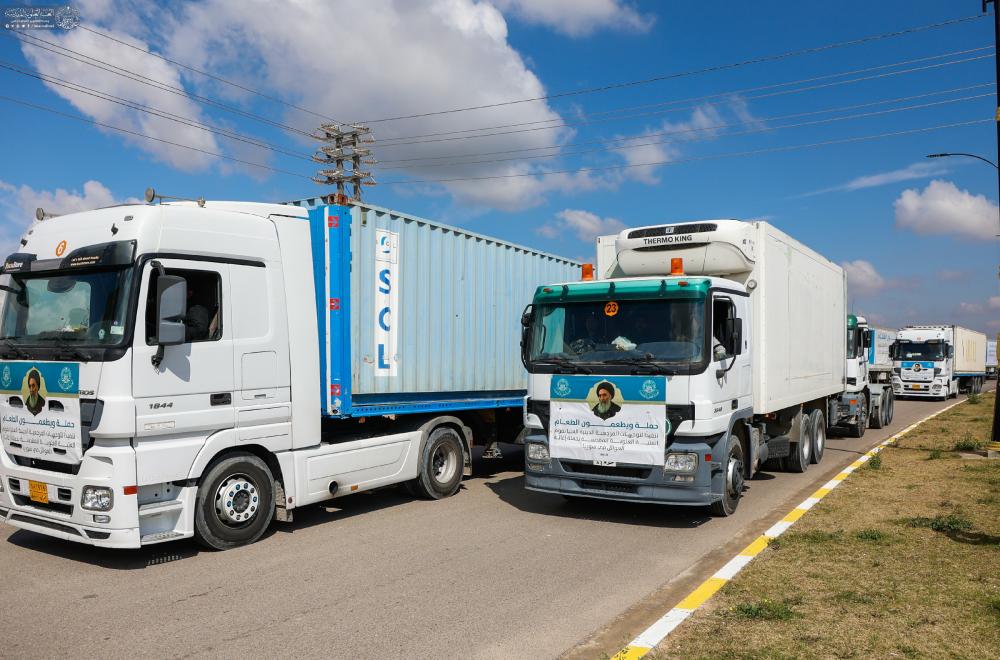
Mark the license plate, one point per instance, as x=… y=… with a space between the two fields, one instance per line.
x=38 y=492
x=606 y=463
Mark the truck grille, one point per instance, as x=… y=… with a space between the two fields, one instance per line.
x=609 y=487
x=66 y=509
x=606 y=470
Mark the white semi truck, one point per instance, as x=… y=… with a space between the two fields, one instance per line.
x=991 y=360
x=938 y=361
x=713 y=347
x=869 y=374
x=199 y=369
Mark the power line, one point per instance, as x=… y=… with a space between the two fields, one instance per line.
x=692 y=72
x=745 y=90
x=149 y=137
x=630 y=144
x=693 y=159
x=759 y=96
x=211 y=75
x=145 y=80
x=156 y=112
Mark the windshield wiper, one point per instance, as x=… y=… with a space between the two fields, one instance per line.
x=644 y=361
x=8 y=343
x=563 y=362
x=71 y=350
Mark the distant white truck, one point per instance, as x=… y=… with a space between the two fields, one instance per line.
x=991 y=360
x=868 y=376
x=704 y=350
x=938 y=361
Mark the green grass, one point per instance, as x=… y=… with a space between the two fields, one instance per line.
x=969 y=443
x=949 y=523
x=934 y=454
x=875 y=462
x=975 y=399
x=765 y=610
x=870 y=535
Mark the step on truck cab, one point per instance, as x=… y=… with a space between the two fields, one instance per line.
x=706 y=349
x=199 y=369
x=938 y=361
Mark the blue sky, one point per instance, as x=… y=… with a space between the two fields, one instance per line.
x=915 y=234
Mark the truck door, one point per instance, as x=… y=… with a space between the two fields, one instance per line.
x=729 y=352
x=190 y=395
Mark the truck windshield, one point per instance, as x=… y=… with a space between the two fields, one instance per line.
x=920 y=351
x=671 y=331
x=80 y=309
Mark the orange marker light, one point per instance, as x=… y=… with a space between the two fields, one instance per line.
x=677 y=266
x=130 y=490
x=587 y=272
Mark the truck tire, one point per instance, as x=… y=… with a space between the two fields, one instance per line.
x=876 y=418
x=889 y=406
x=857 y=430
x=235 y=502
x=798 y=459
x=441 y=465
x=732 y=489
x=818 y=423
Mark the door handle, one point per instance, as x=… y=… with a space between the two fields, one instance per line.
x=222 y=399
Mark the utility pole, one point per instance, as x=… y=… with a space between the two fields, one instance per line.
x=343 y=147
x=995 y=436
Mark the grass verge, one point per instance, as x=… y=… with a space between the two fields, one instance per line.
x=902 y=560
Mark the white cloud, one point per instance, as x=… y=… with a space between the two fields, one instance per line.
x=862 y=278
x=994 y=302
x=586 y=225
x=970 y=308
x=579 y=18
x=75 y=71
x=941 y=208
x=18 y=204
x=915 y=171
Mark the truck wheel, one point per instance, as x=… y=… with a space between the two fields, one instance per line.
x=798 y=459
x=235 y=502
x=890 y=407
x=733 y=487
x=440 y=465
x=877 y=416
x=857 y=430
x=818 y=423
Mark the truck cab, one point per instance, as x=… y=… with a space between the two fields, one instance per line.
x=923 y=363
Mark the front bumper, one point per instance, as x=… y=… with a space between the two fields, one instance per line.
x=921 y=389
x=627 y=482
x=63 y=517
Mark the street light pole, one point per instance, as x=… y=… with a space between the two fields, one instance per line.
x=995 y=435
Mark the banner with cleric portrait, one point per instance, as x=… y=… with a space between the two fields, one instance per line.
x=40 y=410
x=609 y=420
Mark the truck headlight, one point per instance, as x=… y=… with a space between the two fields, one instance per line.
x=537 y=452
x=680 y=463
x=97 y=498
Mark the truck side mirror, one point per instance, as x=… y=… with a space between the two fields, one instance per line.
x=892 y=351
x=737 y=336
x=868 y=338
x=525 y=334
x=171 y=306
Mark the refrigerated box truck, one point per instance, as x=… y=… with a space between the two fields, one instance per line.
x=198 y=369
x=938 y=361
x=715 y=346
x=991 y=360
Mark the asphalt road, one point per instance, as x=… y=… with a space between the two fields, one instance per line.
x=494 y=572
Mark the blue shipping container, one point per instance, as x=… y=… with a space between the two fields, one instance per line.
x=417 y=316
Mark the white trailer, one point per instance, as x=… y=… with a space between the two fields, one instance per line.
x=715 y=346
x=938 y=361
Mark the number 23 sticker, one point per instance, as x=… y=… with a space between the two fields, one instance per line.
x=611 y=309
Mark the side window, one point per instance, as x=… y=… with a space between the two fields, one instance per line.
x=722 y=311
x=203 y=320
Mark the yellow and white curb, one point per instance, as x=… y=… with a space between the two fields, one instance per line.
x=656 y=633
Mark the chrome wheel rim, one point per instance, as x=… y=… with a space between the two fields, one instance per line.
x=237 y=500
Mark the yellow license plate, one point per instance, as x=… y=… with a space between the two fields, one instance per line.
x=38 y=492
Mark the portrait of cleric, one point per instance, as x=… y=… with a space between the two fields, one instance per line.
x=606 y=408
x=34 y=401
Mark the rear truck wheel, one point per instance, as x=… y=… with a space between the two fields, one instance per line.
x=818 y=422
x=235 y=502
x=734 y=475
x=858 y=428
x=801 y=451
x=440 y=465
x=890 y=407
x=877 y=417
